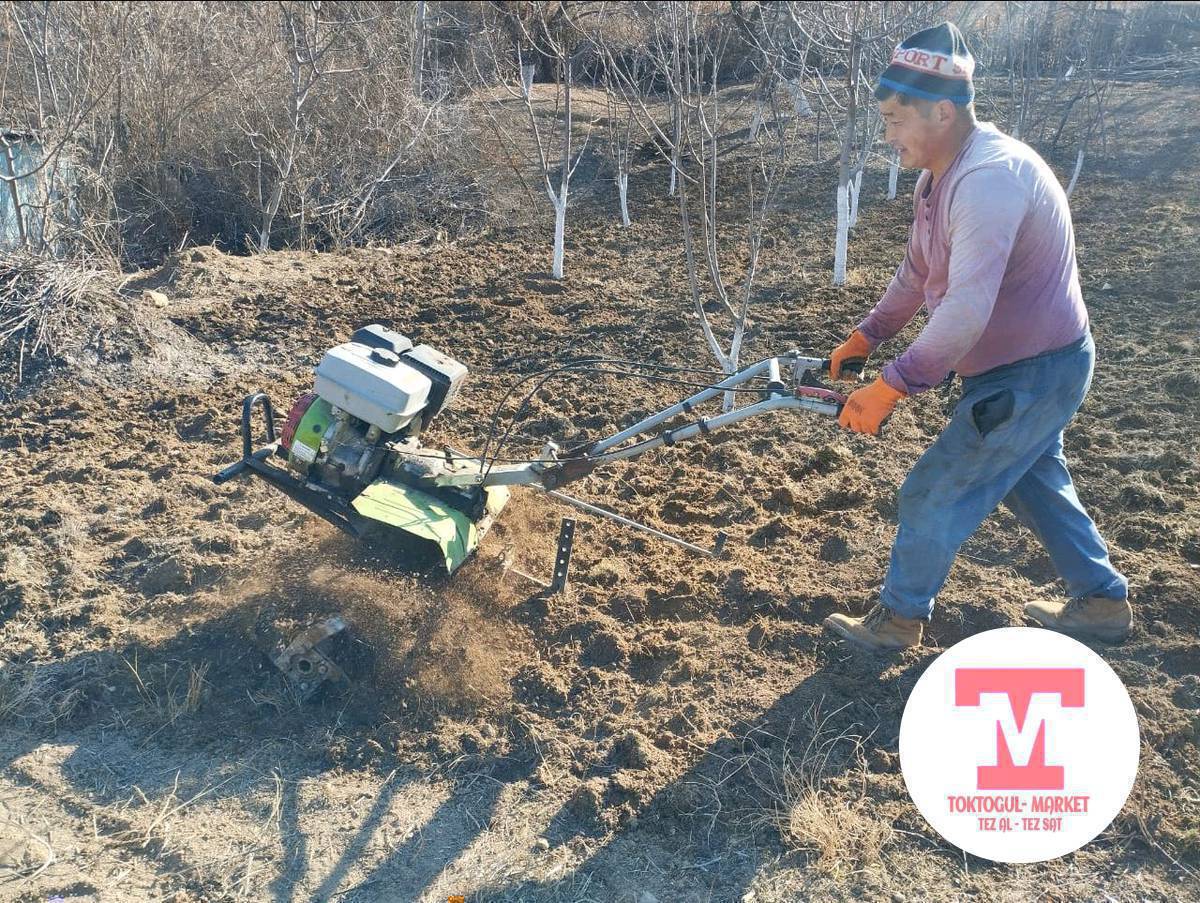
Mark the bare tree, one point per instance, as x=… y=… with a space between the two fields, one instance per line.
x=136 y=128
x=418 y=47
x=858 y=39
x=1101 y=44
x=619 y=120
x=617 y=43
x=842 y=237
x=685 y=52
x=1062 y=62
x=309 y=43
x=553 y=38
x=54 y=91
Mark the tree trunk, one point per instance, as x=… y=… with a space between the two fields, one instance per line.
x=264 y=233
x=560 y=229
x=623 y=191
x=675 y=149
x=418 y=61
x=843 y=235
x=1075 y=174
x=679 y=82
x=843 y=191
x=564 y=182
x=855 y=187
x=893 y=177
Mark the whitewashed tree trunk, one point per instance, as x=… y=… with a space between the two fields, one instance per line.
x=893 y=177
x=558 y=197
x=560 y=229
x=843 y=236
x=268 y=217
x=855 y=187
x=1075 y=174
x=620 y=143
x=568 y=169
x=756 y=122
x=527 y=71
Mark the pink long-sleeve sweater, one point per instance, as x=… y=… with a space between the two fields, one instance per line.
x=991 y=255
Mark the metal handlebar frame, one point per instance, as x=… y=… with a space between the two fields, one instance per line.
x=797 y=393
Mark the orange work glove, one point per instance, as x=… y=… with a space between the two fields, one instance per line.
x=855 y=348
x=867 y=408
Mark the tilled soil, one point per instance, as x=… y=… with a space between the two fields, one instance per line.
x=673 y=725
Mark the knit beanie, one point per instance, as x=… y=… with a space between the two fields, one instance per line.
x=934 y=64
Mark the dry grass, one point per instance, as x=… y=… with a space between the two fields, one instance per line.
x=806 y=793
x=40 y=300
x=29 y=696
x=179 y=694
x=837 y=832
x=17 y=690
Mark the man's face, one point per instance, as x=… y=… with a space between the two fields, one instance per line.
x=918 y=131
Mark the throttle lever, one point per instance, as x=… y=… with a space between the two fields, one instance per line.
x=850 y=365
x=853 y=365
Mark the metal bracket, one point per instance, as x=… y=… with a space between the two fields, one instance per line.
x=303 y=664
x=562 y=559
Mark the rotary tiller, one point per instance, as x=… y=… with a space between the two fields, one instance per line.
x=353 y=454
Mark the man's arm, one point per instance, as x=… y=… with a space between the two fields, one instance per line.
x=903 y=298
x=985 y=216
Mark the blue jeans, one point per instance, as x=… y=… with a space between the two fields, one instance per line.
x=1004 y=443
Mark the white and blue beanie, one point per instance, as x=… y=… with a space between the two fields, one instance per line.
x=934 y=64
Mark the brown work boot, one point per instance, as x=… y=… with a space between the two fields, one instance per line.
x=878 y=630
x=1093 y=617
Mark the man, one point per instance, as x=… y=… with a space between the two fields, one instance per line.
x=991 y=255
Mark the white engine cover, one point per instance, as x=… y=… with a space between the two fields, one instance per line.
x=372 y=384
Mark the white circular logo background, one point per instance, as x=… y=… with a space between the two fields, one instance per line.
x=1019 y=744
